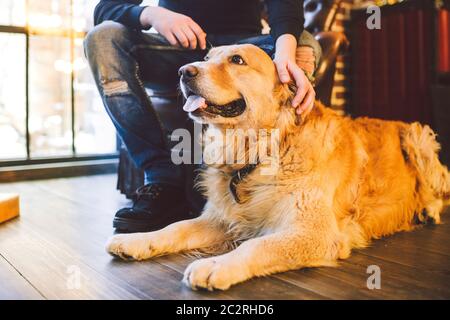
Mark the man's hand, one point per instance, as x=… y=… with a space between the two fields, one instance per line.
x=285 y=62
x=177 y=28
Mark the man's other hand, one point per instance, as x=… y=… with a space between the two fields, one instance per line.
x=178 y=29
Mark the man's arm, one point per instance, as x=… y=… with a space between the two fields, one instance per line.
x=127 y=12
x=285 y=17
x=286 y=21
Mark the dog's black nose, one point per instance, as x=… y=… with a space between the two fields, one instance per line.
x=188 y=71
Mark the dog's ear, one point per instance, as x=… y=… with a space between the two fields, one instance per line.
x=286 y=93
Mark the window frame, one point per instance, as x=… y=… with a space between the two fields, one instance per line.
x=27 y=31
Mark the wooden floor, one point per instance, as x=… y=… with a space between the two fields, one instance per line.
x=55 y=250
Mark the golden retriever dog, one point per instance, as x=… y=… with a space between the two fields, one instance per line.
x=339 y=183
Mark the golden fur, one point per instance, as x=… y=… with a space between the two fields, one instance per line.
x=340 y=182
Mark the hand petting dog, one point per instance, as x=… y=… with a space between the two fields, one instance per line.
x=292 y=63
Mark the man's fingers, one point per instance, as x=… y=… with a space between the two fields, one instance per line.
x=283 y=72
x=201 y=35
x=299 y=96
x=307 y=101
x=190 y=35
x=181 y=37
x=171 y=38
x=301 y=82
x=305 y=92
x=301 y=93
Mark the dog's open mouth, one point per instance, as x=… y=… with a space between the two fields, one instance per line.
x=198 y=105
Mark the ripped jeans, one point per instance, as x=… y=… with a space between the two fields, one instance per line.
x=122 y=61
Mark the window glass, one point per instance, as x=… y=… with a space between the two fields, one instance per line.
x=55 y=63
x=50 y=96
x=12 y=96
x=94 y=130
x=49 y=14
x=12 y=12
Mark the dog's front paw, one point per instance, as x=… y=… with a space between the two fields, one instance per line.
x=211 y=273
x=134 y=246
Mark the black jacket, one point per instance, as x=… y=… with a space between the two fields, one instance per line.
x=214 y=16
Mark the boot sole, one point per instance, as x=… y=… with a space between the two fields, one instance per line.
x=132 y=225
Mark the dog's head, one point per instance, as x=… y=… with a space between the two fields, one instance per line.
x=235 y=85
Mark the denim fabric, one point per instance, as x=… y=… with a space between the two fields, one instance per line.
x=122 y=61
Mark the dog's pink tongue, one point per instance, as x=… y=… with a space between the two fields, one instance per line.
x=193 y=103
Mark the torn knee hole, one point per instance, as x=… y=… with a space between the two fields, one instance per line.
x=114 y=87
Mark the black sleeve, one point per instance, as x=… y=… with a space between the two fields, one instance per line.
x=285 y=16
x=126 y=12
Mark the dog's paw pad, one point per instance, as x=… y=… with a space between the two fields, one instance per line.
x=130 y=247
x=207 y=274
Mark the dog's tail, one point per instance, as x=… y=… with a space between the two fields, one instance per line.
x=421 y=148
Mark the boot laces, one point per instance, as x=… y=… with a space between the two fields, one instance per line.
x=151 y=191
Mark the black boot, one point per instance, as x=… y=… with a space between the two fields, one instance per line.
x=156 y=206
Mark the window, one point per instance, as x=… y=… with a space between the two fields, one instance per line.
x=49 y=105
x=12 y=96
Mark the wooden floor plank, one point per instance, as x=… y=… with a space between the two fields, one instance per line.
x=409 y=252
x=54 y=272
x=14 y=286
x=258 y=288
x=65 y=223
x=402 y=282
x=428 y=239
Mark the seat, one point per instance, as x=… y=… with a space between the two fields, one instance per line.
x=319 y=18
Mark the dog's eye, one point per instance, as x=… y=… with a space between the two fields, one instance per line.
x=237 y=59
x=206 y=58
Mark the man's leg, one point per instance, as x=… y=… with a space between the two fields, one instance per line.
x=115 y=55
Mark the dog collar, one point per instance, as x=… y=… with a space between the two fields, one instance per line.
x=236 y=178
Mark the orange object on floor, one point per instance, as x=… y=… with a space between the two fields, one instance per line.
x=9 y=206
